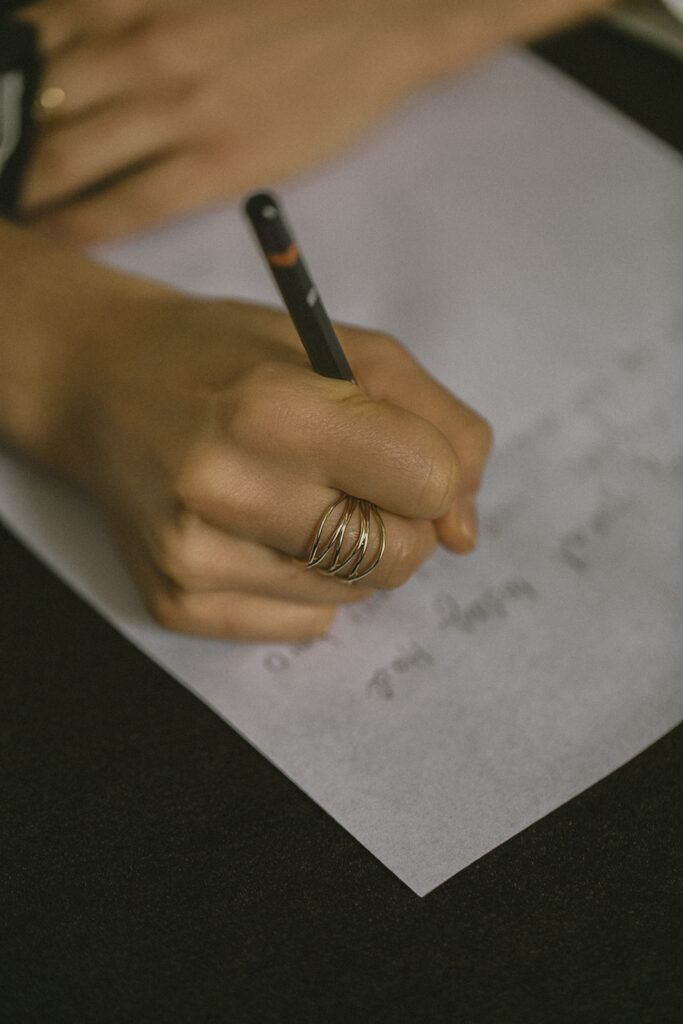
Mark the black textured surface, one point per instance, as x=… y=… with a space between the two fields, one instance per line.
x=154 y=867
x=644 y=82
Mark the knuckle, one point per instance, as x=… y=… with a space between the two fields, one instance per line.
x=383 y=344
x=161 y=46
x=177 y=558
x=219 y=485
x=373 y=351
x=169 y=609
x=55 y=161
x=192 y=485
x=265 y=408
x=400 y=560
x=442 y=477
x=315 y=623
x=192 y=103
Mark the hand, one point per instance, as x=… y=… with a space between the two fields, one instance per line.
x=171 y=104
x=214 y=448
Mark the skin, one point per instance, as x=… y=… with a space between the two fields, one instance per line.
x=213 y=448
x=198 y=426
x=173 y=104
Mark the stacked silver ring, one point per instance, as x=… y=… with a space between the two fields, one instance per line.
x=331 y=557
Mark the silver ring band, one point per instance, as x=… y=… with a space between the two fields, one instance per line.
x=331 y=556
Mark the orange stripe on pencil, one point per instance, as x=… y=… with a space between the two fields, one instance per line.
x=284 y=259
x=298 y=291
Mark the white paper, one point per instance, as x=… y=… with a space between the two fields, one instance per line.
x=528 y=244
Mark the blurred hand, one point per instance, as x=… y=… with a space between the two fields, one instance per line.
x=171 y=104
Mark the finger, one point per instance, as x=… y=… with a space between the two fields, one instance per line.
x=198 y=558
x=333 y=433
x=470 y=436
x=57 y=21
x=76 y=155
x=226 y=615
x=62 y=22
x=387 y=370
x=278 y=508
x=93 y=74
x=458 y=529
x=154 y=58
x=144 y=197
x=231 y=615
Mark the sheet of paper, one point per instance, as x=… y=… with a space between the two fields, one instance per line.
x=528 y=244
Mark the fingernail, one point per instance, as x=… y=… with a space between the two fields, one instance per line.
x=469 y=519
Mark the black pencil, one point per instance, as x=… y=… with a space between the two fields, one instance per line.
x=298 y=291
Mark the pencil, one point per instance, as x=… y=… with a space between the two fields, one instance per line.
x=299 y=293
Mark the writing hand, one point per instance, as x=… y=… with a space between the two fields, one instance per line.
x=214 y=448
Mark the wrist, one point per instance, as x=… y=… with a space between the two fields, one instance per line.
x=449 y=36
x=52 y=301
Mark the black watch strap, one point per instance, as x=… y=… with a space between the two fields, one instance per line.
x=19 y=81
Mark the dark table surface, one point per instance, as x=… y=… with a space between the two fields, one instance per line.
x=154 y=867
